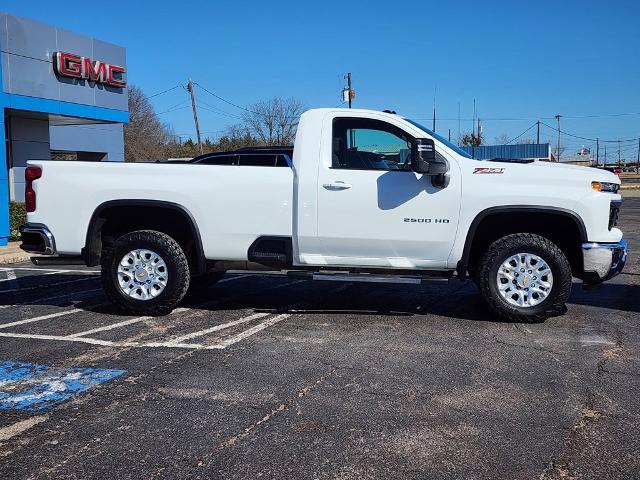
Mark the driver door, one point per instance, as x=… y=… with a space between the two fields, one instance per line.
x=373 y=210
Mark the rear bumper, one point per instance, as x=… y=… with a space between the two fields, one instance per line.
x=37 y=238
x=603 y=261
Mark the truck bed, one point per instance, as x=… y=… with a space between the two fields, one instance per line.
x=231 y=205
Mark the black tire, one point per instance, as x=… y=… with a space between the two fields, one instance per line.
x=177 y=272
x=499 y=251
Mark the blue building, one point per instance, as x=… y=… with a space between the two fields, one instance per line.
x=63 y=97
x=525 y=151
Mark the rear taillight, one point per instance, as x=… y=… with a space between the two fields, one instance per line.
x=31 y=174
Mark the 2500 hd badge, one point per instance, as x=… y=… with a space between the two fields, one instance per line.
x=426 y=220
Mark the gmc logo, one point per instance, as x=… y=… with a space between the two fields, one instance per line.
x=74 y=66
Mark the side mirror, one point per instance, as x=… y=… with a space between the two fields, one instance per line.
x=424 y=159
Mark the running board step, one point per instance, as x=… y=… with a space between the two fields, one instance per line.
x=46 y=260
x=367 y=278
x=280 y=257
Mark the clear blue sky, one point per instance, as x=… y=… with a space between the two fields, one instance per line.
x=518 y=59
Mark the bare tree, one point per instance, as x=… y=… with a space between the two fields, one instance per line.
x=472 y=140
x=273 y=122
x=501 y=139
x=145 y=136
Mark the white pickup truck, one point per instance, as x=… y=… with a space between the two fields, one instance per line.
x=362 y=196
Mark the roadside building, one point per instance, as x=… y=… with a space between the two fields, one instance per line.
x=582 y=157
x=63 y=97
x=527 y=151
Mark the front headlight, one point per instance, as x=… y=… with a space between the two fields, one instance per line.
x=605 y=187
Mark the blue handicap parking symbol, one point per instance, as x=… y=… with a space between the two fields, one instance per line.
x=30 y=387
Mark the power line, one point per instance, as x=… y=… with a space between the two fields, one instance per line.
x=164 y=91
x=174 y=108
x=522 y=119
x=236 y=105
x=223 y=99
x=514 y=139
x=585 y=138
x=217 y=110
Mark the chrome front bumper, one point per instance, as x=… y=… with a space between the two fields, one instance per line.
x=603 y=261
x=37 y=238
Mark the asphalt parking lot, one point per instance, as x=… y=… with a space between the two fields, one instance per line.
x=272 y=377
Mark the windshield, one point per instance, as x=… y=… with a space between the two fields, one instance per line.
x=452 y=146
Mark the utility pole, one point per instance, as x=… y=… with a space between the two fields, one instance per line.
x=558 y=119
x=195 y=113
x=479 y=131
x=619 y=164
x=638 y=158
x=473 y=125
x=348 y=93
x=435 y=94
x=605 y=154
x=434 y=114
x=538 y=135
x=458 y=123
x=597 y=151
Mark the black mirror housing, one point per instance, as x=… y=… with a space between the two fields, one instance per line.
x=424 y=159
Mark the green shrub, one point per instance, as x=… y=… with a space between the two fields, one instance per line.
x=17 y=216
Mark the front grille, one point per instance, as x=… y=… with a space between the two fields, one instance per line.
x=614 y=211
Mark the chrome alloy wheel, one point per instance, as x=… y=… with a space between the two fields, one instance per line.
x=524 y=280
x=142 y=274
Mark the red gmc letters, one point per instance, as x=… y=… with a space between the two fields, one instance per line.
x=75 y=66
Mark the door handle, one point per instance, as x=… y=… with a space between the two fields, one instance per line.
x=337 y=185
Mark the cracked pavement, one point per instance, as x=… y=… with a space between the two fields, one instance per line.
x=357 y=382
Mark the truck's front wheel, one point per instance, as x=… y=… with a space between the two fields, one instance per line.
x=525 y=278
x=145 y=273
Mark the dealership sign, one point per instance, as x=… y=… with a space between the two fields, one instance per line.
x=74 y=66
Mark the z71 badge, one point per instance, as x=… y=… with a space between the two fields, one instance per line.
x=488 y=170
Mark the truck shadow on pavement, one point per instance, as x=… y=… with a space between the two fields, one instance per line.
x=458 y=300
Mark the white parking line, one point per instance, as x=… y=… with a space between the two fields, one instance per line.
x=229 y=279
x=174 y=343
x=124 y=323
x=93 y=341
x=251 y=331
x=11 y=276
x=8 y=432
x=56 y=270
x=217 y=328
x=47 y=317
x=198 y=306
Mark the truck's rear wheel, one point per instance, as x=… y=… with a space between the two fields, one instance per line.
x=145 y=273
x=525 y=278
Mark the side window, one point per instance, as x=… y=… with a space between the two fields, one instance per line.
x=218 y=160
x=363 y=144
x=262 y=160
x=258 y=160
